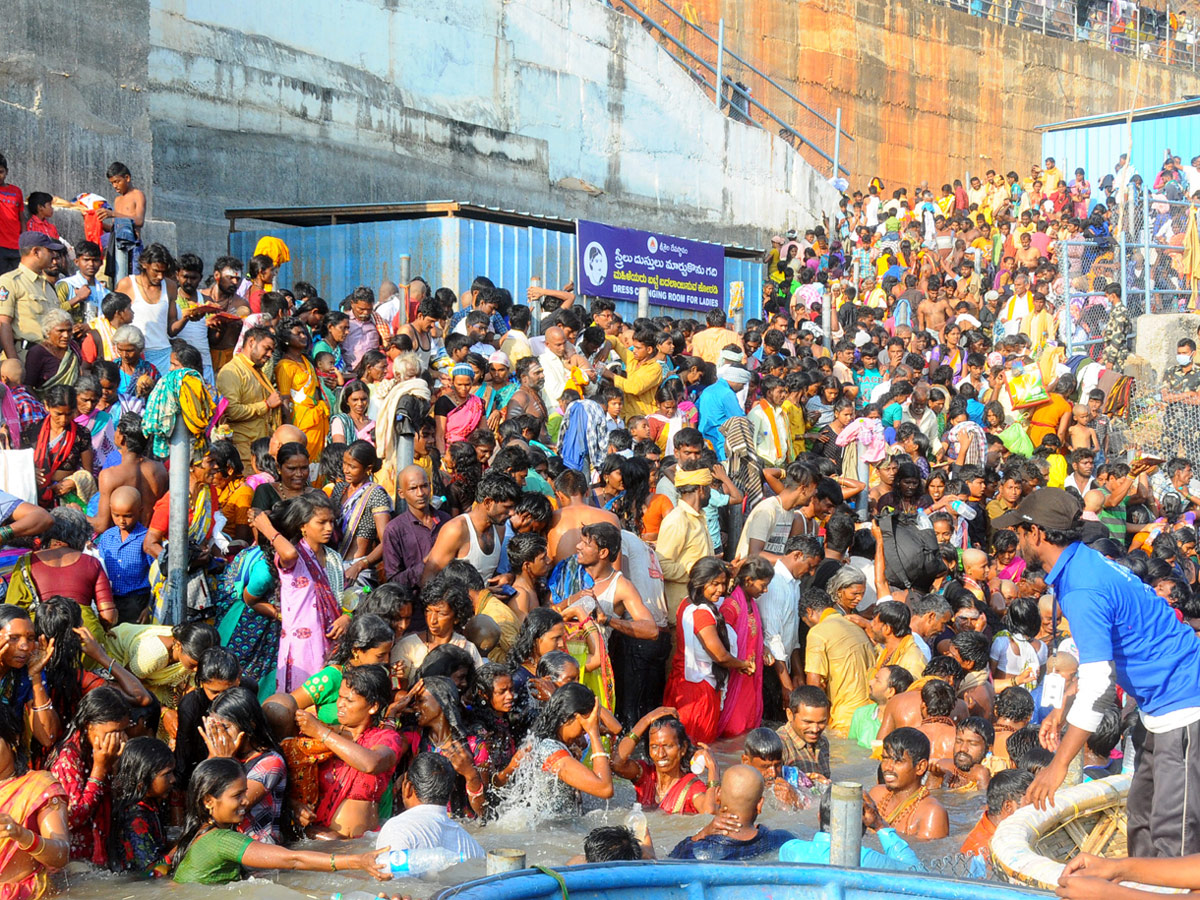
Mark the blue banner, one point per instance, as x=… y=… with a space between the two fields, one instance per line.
x=616 y=262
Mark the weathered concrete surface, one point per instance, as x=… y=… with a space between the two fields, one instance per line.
x=1157 y=336
x=512 y=104
x=74 y=93
x=929 y=92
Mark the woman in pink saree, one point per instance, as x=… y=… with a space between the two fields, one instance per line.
x=310 y=584
x=742 y=708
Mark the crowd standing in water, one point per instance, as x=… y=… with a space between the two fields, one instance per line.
x=617 y=542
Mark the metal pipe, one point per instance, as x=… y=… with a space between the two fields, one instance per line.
x=1067 y=327
x=837 y=141
x=179 y=482
x=405 y=281
x=1147 y=280
x=845 y=824
x=1122 y=274
x=643 y=303
x=535 y=311
x=720 y=63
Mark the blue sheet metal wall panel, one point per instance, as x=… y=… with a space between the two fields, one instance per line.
x=1096 y=148
x=447 y=251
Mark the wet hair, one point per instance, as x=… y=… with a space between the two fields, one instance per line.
x=226 y=456
x=1007 y=785
x=138 y=765
x=195 y=637
x=241 y=707
x=896 y=616
x=611 y=843
x=1023 y=618
x=972 y=647
x=910 y=741
x=431 y=777
x=445 y=661
x=764 y=743
x=498 y=487
x=445 y=693
x=555 y=664
x=365 y=632
x=944 y=667
x=1014 y=703
x=899 y=678
x=385 y=602
x=1021 y=743
x=211 y=778
x=808 y=695
x=373 y=684
x=56 y=620
x=536 y=624
x=218 y=664
x=938 y=697
x=524 y=548
x=1104 y=739
x=567 y=702
x=980 y=726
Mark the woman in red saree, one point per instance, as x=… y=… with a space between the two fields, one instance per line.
x=459 y=412
x=742 y=708
x=362 y=755
x=33 y=829
x=666 y=782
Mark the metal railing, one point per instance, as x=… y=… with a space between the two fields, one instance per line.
x=741 y=84
x=1170 y=35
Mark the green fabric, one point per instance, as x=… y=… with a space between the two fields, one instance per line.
x=535 y=483
x=323 y=688
x=1114 y=519
x=214 y=858
x=864 y=725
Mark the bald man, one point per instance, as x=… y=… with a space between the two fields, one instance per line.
x=411 y=534
x=733 y=834
x=147 y=476
x=556 y=362
x=287 y=434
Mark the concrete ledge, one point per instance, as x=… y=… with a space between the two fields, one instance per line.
x=1157 y=336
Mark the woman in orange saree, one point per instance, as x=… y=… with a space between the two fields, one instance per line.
x=33 y=830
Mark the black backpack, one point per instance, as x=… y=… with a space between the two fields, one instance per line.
x=911 y=556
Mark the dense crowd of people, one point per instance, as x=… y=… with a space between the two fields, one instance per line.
x=616 y=543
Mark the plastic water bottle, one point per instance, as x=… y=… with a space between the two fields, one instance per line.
x=420 y=861
x=698 y=767
x=636 y=822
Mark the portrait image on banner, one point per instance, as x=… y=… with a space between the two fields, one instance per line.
x=617 y=262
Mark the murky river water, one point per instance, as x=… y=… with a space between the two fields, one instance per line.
x=545 y=846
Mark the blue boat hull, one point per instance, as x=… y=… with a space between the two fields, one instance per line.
x=679 y=880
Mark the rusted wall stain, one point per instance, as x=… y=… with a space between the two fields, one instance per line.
x=928 y=93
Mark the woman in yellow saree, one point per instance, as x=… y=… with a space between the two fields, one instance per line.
x=33 y=829
x=300 y=386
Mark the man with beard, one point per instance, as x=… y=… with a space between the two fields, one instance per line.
x=1124 y=632
x=224 y=330
x=253 y=410
x=965 y=770
x=476 y=535
x=527 y=399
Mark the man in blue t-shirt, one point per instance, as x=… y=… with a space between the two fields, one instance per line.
x=1124 y=632
x=732 y=833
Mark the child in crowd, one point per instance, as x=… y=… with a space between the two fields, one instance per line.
x=142 y=780
x=1080 y=435
x=125 y=560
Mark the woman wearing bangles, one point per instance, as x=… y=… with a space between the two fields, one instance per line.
x=33 y=829
x=212 y=851
x=667 y=782
x=568 y=716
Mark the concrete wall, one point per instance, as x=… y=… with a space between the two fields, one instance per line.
x=74 y=95
x=928 y=92
x=552 y=106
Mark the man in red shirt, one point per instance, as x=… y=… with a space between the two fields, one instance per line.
x=12 y=220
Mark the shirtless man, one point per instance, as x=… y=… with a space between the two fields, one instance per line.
x=476 y=535
x=570 y=489
x=972 y=649
x=286 y=434
x=223 y=332
x=965 y=769
x=904 y=710
x=618 y=604
x=903 y=799
x=130 y=202
x=527 y=399
x=937 y=703
x=147 y=476
x=932 y=313
x=1014 y=709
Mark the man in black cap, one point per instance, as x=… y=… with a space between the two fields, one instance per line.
x=26 y=294
x=1127 y=633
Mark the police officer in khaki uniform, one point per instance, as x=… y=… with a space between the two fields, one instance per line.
x=25 y=295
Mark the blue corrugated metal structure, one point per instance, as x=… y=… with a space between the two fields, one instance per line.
x=1096 y=143
x=336 y=249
